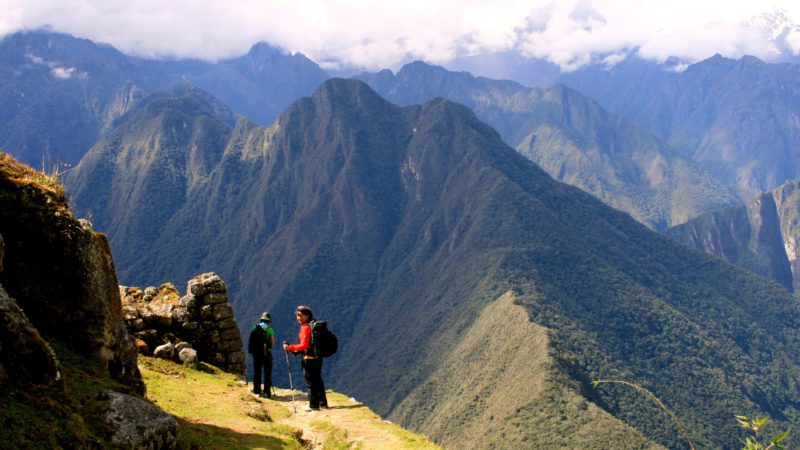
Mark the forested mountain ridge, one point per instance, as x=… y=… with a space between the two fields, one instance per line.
x=738 y=119
x=369 y=211
x=140 y=173
x=574 y=139
x=61 y=94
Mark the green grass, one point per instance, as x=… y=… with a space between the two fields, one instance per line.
x=335 y=437
x=215 y=410
x=407 y=438
x=28 y=420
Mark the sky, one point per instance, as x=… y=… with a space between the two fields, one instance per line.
x=377 y=34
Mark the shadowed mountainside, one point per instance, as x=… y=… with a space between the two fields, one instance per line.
x=761 y=236
x=403 y=226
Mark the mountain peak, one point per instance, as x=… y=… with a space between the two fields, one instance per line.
x=716 y=62
x=423 y=69
x=419 y=65
x=339 y=92
x=263 y=50
x=187 y=98
x=750 y=61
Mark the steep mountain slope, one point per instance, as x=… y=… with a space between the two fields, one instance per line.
x=737 y=119
x=761 y=236
x=492 y=391
x=58 y=93
x=142 y=171
x=405 y=226
x=574 y=140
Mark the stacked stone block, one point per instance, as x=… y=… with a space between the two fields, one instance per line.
x=203 y=318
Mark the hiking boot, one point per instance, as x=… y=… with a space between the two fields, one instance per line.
x=312 y=408
x=325 y=406
x=264 y=395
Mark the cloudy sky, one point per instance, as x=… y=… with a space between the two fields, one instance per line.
x=379 y=34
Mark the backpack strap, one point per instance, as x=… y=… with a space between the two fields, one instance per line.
x=312 y=345
x=265 y=330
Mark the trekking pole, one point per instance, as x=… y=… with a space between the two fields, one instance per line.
x=291 y=388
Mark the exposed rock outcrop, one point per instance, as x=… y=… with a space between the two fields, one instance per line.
x=60 y=272
x=139 y=424
x=787 y=203
x=761 y=236
x=203 y=318
x=60 y=318
x=25 y=357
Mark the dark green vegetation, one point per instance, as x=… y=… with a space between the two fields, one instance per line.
x=134 y=179
x=58 y=93
x=574 y=140
x=761 y=236
x=402 y=226
x=737 y=119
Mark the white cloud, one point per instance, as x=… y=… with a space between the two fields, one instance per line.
x=55 y=69
x=375 y=34
x=35 y=59
x=63 y=73
x=793 y=40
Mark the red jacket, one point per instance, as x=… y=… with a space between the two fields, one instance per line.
x=305 y=339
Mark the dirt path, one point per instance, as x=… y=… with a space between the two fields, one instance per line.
x=347 y=424
x=217 y=411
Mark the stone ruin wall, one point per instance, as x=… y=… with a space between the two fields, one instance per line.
x=203 y=318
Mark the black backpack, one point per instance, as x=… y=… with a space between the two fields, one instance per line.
x=324 y=342
x=258 y=337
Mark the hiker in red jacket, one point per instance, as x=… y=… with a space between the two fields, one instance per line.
x=312 y=364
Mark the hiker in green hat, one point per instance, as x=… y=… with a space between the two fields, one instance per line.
x=262 y=339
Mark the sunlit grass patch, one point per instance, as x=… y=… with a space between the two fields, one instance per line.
x=215 y=410
x=335 y=437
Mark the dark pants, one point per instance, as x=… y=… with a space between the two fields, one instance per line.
x=312 y=371
x=266 y=363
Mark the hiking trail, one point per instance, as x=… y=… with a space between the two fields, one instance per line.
x=217 y=410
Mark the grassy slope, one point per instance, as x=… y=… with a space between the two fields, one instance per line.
x=217 y=411
x=511 y=390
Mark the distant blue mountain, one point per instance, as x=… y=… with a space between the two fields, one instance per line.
x=738 y=119
x=59 y=93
